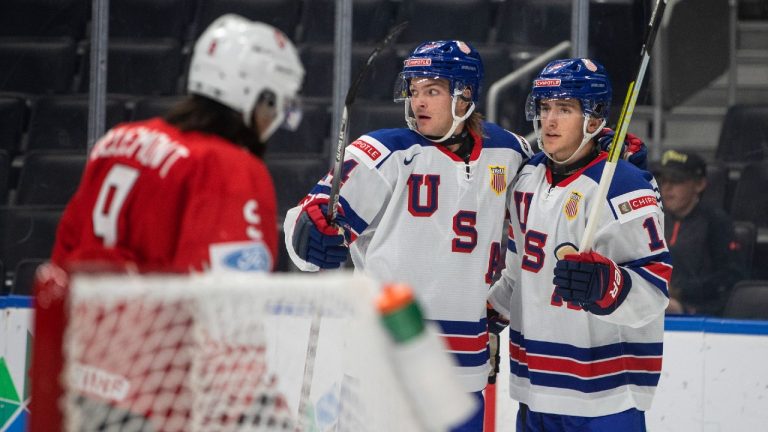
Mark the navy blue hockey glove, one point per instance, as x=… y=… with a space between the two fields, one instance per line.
x=496 y=323
x=592 y=281
x=635 y=151
x=316 y=240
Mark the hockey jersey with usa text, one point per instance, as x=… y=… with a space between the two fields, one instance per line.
x=563 y=359
x=420 y=215
x=166 y=200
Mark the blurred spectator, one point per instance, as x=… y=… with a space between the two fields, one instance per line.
x=699 y=237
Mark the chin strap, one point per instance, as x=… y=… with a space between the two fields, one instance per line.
x=410 y=120
x=587 y=137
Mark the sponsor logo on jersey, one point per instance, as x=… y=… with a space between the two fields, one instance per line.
x=571 y=207
x=498 y=179
x=407 y=161
x=254 y=258
x=635 y=204
x=546 y=82
x=245 y=256
x=368 y=149
x=418 y=62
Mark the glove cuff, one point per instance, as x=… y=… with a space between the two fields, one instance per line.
x=610 y=302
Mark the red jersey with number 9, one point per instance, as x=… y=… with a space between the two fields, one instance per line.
x=167 y=200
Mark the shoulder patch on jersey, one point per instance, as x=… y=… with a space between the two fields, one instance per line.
x=498 y=178
x=635 y=204
x=571 y=207
x=369 y=150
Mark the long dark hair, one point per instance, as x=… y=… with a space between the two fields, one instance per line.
x=199 y=113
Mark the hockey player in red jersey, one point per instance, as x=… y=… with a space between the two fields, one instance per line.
x=189 y=191
x=586 y=329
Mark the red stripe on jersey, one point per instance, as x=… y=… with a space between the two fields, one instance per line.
x=584 y=369
x=662 y=270
x=597 y=368
x=466 y=343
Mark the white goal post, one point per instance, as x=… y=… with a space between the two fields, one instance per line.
x=222 y=353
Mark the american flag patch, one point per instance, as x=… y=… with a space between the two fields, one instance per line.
x=571 y=207
x=498 y=179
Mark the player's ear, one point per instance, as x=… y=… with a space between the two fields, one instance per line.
x=264 y=112
x=593 y=123
x=464 y=100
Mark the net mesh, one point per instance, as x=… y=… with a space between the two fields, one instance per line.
x=206 y=353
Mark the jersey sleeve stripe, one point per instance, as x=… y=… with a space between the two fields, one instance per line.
x=657 y=270
x=357 y=223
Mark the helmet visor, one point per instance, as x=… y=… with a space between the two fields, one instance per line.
x=404 y=82
x=553 y=105
x=292 y=113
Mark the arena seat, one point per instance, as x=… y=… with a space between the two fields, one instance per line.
x=283 y=14
x=49 y=178
x=27 y=232
x=61 y=122
x=748 y=300
x=371 y=19
x=468 y=20
x=37 y=65
x=12 y=115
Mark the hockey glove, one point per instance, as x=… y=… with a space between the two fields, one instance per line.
x=495 y=357
x=592 y=281
x=496 y=321
x=635 y=151
x=316 y=240
x=496 y=324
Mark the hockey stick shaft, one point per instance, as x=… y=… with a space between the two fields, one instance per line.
x=587 y=241
x=341 y=142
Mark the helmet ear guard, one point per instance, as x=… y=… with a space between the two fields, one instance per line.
x=236 y=60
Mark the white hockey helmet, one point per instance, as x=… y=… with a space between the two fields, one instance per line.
x=236 y=59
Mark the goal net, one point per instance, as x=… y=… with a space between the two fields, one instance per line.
x=217 y=353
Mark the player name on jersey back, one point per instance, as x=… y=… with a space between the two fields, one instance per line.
x=151 y=148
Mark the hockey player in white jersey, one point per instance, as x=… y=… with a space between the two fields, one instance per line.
x=425 y=204
x=586 y=329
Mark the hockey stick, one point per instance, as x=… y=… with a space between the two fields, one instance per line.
x=587 y=240
x=341 y=142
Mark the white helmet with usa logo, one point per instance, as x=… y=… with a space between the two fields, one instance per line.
x=236 y=60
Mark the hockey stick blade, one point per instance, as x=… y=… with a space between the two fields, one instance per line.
x=621 y=126
x=341 y=142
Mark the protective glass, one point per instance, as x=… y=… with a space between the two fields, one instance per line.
x=402 y=85
x=534 y=110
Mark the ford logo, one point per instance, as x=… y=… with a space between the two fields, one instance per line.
x=255 y=258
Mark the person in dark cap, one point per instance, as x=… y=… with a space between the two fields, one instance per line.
x=699 y=237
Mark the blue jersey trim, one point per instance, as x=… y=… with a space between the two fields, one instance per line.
x=586 y=354
x=355 y=221
x=15 y=301
x=715 y=325
x=590 y=385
